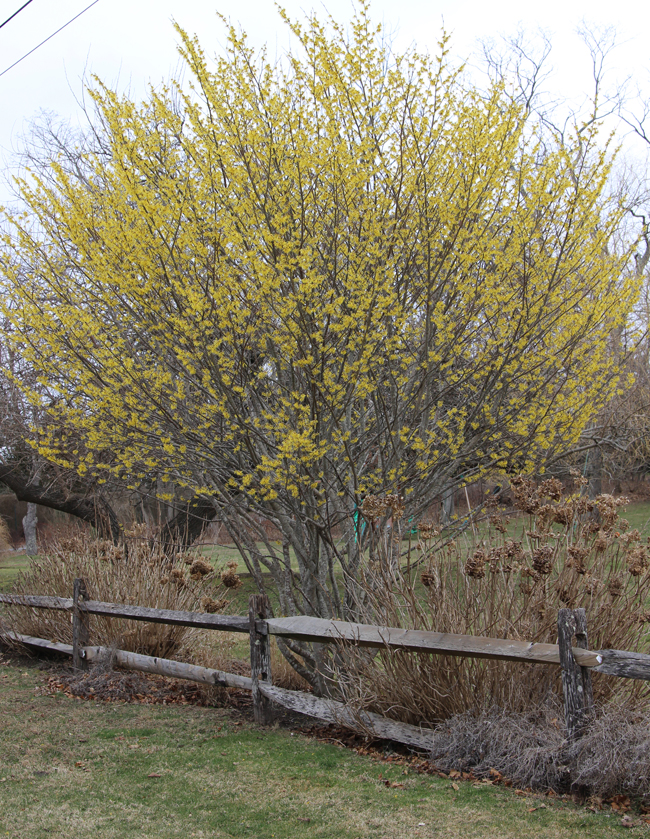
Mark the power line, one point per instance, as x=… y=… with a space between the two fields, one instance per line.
x=24 y=6
x=49 y=38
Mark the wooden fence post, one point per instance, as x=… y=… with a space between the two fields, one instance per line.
x=259 y=609
x=576 y=680
x=80 y=637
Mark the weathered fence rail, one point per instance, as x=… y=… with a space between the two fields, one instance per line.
x=200 y=620
x=577 y=661
x=365 y=635
x=143 y=663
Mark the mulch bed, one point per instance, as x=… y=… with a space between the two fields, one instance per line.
x=126 y=686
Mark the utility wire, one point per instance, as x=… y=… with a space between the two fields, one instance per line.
x=24 y=6
x=49 y=38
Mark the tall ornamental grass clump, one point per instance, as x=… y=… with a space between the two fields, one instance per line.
x=142 y=575
x=507 y=581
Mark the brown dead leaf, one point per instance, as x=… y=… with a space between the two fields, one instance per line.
x=620 y=803
x=455 y=786
x=455 y=774
x=154 y=775
x=301 y=819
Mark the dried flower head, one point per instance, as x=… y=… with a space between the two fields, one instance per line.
x=200 y=567
x=637 y=561
x=396 y=504
x=495 y=557
x=230 y=578
x=579 y=480
x=566 y=596
x=211 y=606
x=532 y=573
x=475 y=565
x=589 y=529
x=526 y=496
x=498 y=523
x=563 y=514
x=551 y=488
x=629 y=537
x=615 y=586
x=592 y=585
x=577 y=558
x=178 y=576
x=373 y=506
x=428 y=531
x=601 y=543
x=514 y=550
x=543 y=559
x=608 y=508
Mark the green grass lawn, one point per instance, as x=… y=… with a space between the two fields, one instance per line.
x=638 y=515
x=11 y=564
x=72 y=768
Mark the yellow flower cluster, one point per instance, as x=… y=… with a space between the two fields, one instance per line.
x=353 y=273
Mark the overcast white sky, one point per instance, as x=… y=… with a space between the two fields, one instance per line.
x=130 y=42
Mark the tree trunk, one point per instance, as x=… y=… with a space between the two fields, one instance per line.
x=29 y=526
x=448 y=505
x=90 y=508
x=187 y=525
x=595 y=471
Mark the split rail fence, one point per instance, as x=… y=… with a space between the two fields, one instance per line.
x=575 y=659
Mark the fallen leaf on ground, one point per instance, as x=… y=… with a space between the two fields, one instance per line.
x=620 y=802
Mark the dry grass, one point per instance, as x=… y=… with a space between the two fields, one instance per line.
x=142 y=575
x=612 y=758
x=572 y=552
